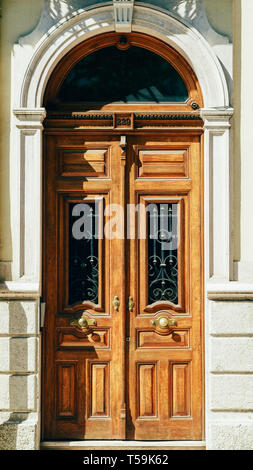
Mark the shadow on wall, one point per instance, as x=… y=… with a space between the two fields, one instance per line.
x=187 y=9
x=60 y=8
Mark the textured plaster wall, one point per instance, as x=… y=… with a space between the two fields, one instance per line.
x=219 y=12
x=220 y=16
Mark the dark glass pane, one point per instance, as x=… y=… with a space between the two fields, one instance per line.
x=83 y=253
x=162 y=253
x=133 y=75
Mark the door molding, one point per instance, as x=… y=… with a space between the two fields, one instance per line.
x=32 y=72
x=32 y=67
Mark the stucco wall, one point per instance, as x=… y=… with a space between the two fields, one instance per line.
x=220 y=16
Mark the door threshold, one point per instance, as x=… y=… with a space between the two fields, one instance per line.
x=123 y=445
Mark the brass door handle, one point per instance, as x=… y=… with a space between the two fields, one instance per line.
x=116 y=303
x=130 y=304
x=163 y=322
x=84 y=322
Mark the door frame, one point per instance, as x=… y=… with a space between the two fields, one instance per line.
x=32 y=68
x=29 y=83
x=191 y=133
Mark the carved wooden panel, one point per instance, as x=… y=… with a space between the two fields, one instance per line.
x=66 y=390
x=147 y=394
x=69 y=338
x=83 y=162
x=99 y=381
x=181 y=389
x=163 y=163
x=151 y=339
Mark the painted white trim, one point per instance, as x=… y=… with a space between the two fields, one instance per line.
x=230 y=291
x=123 y=15
x=26 y=197
x=218 y=194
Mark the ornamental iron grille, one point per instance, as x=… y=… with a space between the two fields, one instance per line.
x=83 y=253
x=163 y=253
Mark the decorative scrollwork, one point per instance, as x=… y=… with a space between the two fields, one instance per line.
x=83 y=259
x=162 y=254
x=85 y=285
x=163 y=279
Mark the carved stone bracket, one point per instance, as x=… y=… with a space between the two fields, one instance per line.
x=123 y=14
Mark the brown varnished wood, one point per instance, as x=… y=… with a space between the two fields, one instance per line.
x=151 y=380
x=96 y=368
x=123 y=379
x=175 y=382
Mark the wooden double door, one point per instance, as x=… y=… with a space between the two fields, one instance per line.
x=122 y=340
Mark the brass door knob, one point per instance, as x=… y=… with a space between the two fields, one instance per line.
x=84 y=322
x=163 y=322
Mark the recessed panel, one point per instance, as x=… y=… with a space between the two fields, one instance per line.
x=151 y=339
x=83 y=162
x=147 y=395
x=69 y=339
x=66 y=390
x=163 y=163
x=181 y=389
x=99 y=380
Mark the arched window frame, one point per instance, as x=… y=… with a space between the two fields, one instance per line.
x=144 y=41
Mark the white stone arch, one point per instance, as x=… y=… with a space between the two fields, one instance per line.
x=33 y=63
x=84 y=24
